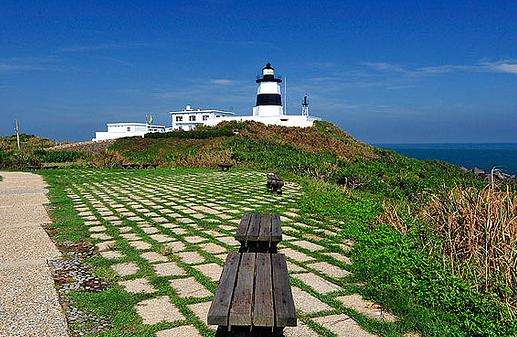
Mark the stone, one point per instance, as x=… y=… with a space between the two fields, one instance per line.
x=175 y=246
x=366 y=307
x=161 y=238
x=201 y=310
x=153 y=257
x=307 y=303
x=130 y=236
x=229 y=240
x=105 y=245
x=193 y=239
x=110 y=254
x=340 y=257
x=125 y=269
x=180 y=331
x=296 y=255
x=139 y=285
x=101 y=236
x=140 y=245
x=97 y=229
x=211 y=270
x=317 y=283
x=330 y=269
x=343 y=326
x=190 y=257
x=294 y=268
x=189 y=287
x=301 y=330
x=156 y=310
x=213 y=248
x=168 y=269
x=308 y=245
x=150 y=230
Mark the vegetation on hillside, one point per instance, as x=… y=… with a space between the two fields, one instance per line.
x=33 y=153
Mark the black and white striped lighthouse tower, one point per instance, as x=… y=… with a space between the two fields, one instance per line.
x=269 y=96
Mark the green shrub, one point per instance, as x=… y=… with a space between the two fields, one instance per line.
x=201 y=132
x=58 y=156
x=18 y=160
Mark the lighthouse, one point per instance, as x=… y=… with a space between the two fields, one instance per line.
x=269 y=97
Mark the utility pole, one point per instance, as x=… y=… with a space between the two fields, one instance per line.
x=17 y=128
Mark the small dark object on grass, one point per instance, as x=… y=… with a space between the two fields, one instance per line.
x=274 y=183
x=225 y=166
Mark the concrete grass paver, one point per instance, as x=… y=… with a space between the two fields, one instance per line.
x=366 y=307
x=342 y=326
x=189 y=287
x=180 y=331
x=125 y=269
x=156 y=310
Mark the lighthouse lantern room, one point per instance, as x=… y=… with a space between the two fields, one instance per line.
x=269 y=97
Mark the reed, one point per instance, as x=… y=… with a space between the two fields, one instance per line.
x=476 y=231
x=479 y=232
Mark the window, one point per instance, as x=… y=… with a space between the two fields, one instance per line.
x=128 y=128
x=205 y=117
x=192 y=118
x=179 y=118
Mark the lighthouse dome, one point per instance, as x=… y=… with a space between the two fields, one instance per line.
x=268 y=70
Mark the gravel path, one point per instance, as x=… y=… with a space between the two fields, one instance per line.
x=28 y=300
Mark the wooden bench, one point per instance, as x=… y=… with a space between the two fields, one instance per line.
x=225 y=166
x=254 y=297
x=259 y=233
x=274 y=183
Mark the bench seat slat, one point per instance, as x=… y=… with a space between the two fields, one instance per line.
x=276 y=228
x=240 y=309
x=263 y=313
x=285 y=313
x=220 y=307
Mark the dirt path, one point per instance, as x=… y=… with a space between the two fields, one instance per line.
x=28 y=301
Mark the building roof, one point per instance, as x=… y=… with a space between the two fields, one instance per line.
x=200 y=111
x=135 y=124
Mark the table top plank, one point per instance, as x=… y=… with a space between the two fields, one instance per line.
x=285 y=313
x=254 y=227
x=242 y=230
x=220 y=307
x=241 y=306
x=265 y=228
x=263 y=310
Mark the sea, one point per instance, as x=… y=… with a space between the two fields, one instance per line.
x=469 y=155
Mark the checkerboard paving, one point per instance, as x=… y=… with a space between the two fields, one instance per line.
x=166 y=234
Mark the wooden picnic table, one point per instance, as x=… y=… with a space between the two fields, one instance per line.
x=254 y=296
x=259 y=232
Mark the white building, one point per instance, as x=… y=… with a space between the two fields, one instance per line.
x=188 y=118
x=120 y=130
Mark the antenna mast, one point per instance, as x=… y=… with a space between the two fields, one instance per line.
x=305 y=105
x=17 y=128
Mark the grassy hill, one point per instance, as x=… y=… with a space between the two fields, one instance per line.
x=323 y=151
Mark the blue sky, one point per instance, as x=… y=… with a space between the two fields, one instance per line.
x=432 y=71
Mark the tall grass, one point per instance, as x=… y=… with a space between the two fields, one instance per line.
x=479 y=232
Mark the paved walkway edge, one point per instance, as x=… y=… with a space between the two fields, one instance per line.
x=29 y=304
